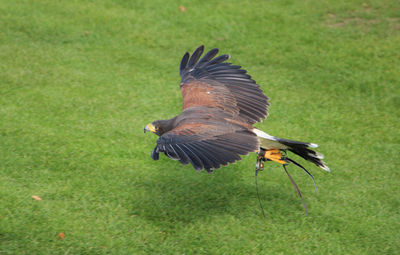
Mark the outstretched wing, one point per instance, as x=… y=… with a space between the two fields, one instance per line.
x=211 y=82
x=206 y=144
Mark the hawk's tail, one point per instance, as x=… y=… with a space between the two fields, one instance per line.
x=273 y=145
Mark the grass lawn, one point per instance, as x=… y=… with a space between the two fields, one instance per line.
x=80 y=79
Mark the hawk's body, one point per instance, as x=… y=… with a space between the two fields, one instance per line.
x=220 y=105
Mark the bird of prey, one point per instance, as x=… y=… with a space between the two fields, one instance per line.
x=221 y=103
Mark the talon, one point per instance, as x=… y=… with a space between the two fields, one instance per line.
x=275 y=155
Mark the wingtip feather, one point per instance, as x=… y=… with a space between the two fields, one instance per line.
x=325 y=167
x=316 y=155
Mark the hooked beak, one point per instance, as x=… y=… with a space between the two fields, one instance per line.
x=150 y=127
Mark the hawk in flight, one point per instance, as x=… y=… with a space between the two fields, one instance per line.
x=221 y=103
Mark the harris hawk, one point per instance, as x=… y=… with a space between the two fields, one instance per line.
x=221 y=103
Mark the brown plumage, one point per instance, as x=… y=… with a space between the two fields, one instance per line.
x=220 y=105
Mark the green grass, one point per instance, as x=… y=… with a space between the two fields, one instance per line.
x=80 y=79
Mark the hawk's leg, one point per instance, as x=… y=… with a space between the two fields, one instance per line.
x=277 y=156
x=259 y=163
x=269 y=155
x=259 y=167
x=266 y=155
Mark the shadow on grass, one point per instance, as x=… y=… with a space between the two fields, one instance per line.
x=186 y=197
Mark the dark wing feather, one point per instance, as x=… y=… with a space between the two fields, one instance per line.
x=206 y=58
x=211 y=82
x=207 y=145
x=195 y=57
x=184 y=62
